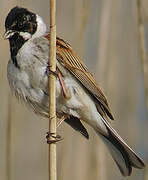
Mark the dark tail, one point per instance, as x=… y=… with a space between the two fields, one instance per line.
x=123 y=155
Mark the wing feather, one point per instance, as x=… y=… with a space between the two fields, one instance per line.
x=72 y=62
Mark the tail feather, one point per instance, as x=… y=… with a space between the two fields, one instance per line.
x=123 y=155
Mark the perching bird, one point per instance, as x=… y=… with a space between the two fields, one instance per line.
x=78 y=96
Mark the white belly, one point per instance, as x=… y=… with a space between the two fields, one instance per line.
x=35 y=94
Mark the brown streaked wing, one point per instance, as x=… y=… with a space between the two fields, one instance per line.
x=72 y=62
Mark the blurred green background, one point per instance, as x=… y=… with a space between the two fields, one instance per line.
x=105 y=34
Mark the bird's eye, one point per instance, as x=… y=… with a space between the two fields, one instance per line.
x=24 y=18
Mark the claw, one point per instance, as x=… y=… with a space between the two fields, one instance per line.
x=52 y=138
x=48 y=71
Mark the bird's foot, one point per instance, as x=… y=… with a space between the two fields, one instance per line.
x=48 y=71
x=52 y=138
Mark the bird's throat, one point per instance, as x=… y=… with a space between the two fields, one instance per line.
x=16 y=42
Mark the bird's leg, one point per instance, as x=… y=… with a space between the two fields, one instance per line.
x=52 y=138
x=64 y=89
x=62 y=119
x=58 y=74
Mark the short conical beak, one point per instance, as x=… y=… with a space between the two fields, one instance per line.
x=8 y=34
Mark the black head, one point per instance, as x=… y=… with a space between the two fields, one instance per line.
x=20 y=20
